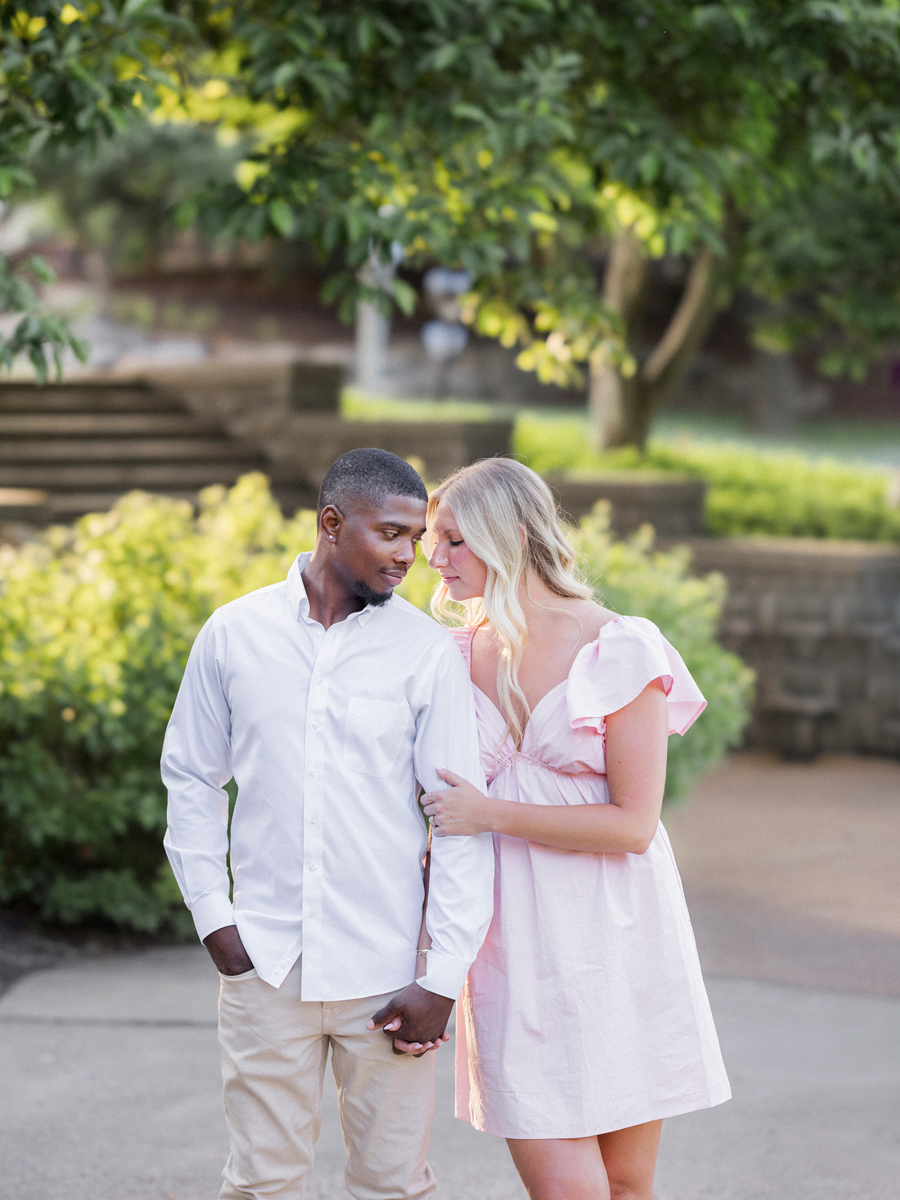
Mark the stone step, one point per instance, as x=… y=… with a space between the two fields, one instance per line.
x=121 y=477
x=96 y=397
x=123 y=450
x=65 y=505
x=72 y=424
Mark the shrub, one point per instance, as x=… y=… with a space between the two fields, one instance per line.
x=630 y=578
x=95 y=627
x=749 y=491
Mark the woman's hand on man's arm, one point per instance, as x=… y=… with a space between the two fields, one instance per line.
x=459 y=810
x=636 y=746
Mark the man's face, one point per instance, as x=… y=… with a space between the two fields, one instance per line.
x=376 y=543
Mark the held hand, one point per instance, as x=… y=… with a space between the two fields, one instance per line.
x=418 y=1018
x=458 y=810
x=227 y=951
x=415 y=1049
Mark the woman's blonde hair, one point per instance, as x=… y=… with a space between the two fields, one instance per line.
x=507 y=516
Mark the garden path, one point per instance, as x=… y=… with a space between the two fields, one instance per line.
x=111 y=1074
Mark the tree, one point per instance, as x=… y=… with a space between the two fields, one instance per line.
x=554 y=148
x=70 y=77
x=119 y=202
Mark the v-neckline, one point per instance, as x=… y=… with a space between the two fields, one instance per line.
x=546 y=695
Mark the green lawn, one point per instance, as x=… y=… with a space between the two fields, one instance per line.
x=826 y=479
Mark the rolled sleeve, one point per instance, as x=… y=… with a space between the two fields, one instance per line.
x=460 y=897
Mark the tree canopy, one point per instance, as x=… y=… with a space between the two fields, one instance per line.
x=70 y=76
x=553 y=147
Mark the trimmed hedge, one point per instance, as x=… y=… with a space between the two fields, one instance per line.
x=749 y=491
x=95 y=626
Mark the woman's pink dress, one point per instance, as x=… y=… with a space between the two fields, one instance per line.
x=585 y=1011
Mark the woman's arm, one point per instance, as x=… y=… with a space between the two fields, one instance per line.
x=636 y=743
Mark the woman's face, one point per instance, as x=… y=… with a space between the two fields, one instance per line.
x=462 y=571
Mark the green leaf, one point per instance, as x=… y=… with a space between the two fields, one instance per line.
x=131 y=8
x=285 y=74
x=41 y=269
x=282 y=217
x=405 y=296
x=445 y=56
x=469 y=112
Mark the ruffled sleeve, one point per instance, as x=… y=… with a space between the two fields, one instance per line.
x=613 y=670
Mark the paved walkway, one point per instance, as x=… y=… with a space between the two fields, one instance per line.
x=110 y=1071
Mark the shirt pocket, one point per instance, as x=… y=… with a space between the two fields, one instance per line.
x=374 y=734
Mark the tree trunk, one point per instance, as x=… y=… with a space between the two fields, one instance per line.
x=623 y=408
x=610 y=398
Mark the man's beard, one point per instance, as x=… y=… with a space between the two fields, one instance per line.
x=368 y=595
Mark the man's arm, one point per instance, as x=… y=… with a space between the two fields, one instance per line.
x=414 y=1005
x=196 y=763
x=460 y=899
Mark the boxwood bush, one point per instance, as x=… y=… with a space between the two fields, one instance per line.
x=96 y=622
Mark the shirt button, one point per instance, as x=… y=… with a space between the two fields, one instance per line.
x=315 y=724
x=320 y=680
x=310 y=914
x=318 y=633
x=313 y=820
x=312 y=772
x=314 y=866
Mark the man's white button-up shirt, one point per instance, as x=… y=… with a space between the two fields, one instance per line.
x=326 y=733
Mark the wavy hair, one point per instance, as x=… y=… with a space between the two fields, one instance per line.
x=509 y=519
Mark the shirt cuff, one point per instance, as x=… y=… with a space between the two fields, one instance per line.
x=212 y=912
x=445 y=975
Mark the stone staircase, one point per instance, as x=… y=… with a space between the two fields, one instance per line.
x=85 y=445
x=72 y=448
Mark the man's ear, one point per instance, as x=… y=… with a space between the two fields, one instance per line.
x=330 y=522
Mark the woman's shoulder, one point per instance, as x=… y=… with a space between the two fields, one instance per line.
x=462 y=635
x=592 y=617
x=622 y=626
x=599 y=623
x=627 y=654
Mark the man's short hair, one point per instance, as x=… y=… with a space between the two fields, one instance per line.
x=368 y=474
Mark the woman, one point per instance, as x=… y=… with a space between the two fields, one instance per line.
x=584 y=1021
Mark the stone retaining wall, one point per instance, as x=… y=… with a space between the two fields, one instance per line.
x=671 y=504
x=290 y=412
x=305 y=447
x=819 y=621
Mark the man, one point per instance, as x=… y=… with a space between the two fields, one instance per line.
x=329 y=699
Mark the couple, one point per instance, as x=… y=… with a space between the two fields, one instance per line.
x=551 y=900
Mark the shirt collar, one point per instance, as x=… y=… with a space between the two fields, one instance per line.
x=299 y=599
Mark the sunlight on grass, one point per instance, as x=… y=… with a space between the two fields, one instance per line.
x=825 y=481
x=358 y=406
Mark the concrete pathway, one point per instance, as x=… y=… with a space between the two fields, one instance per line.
x=110 y=1067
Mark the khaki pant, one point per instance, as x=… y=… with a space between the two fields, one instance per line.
x=274 y=1049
